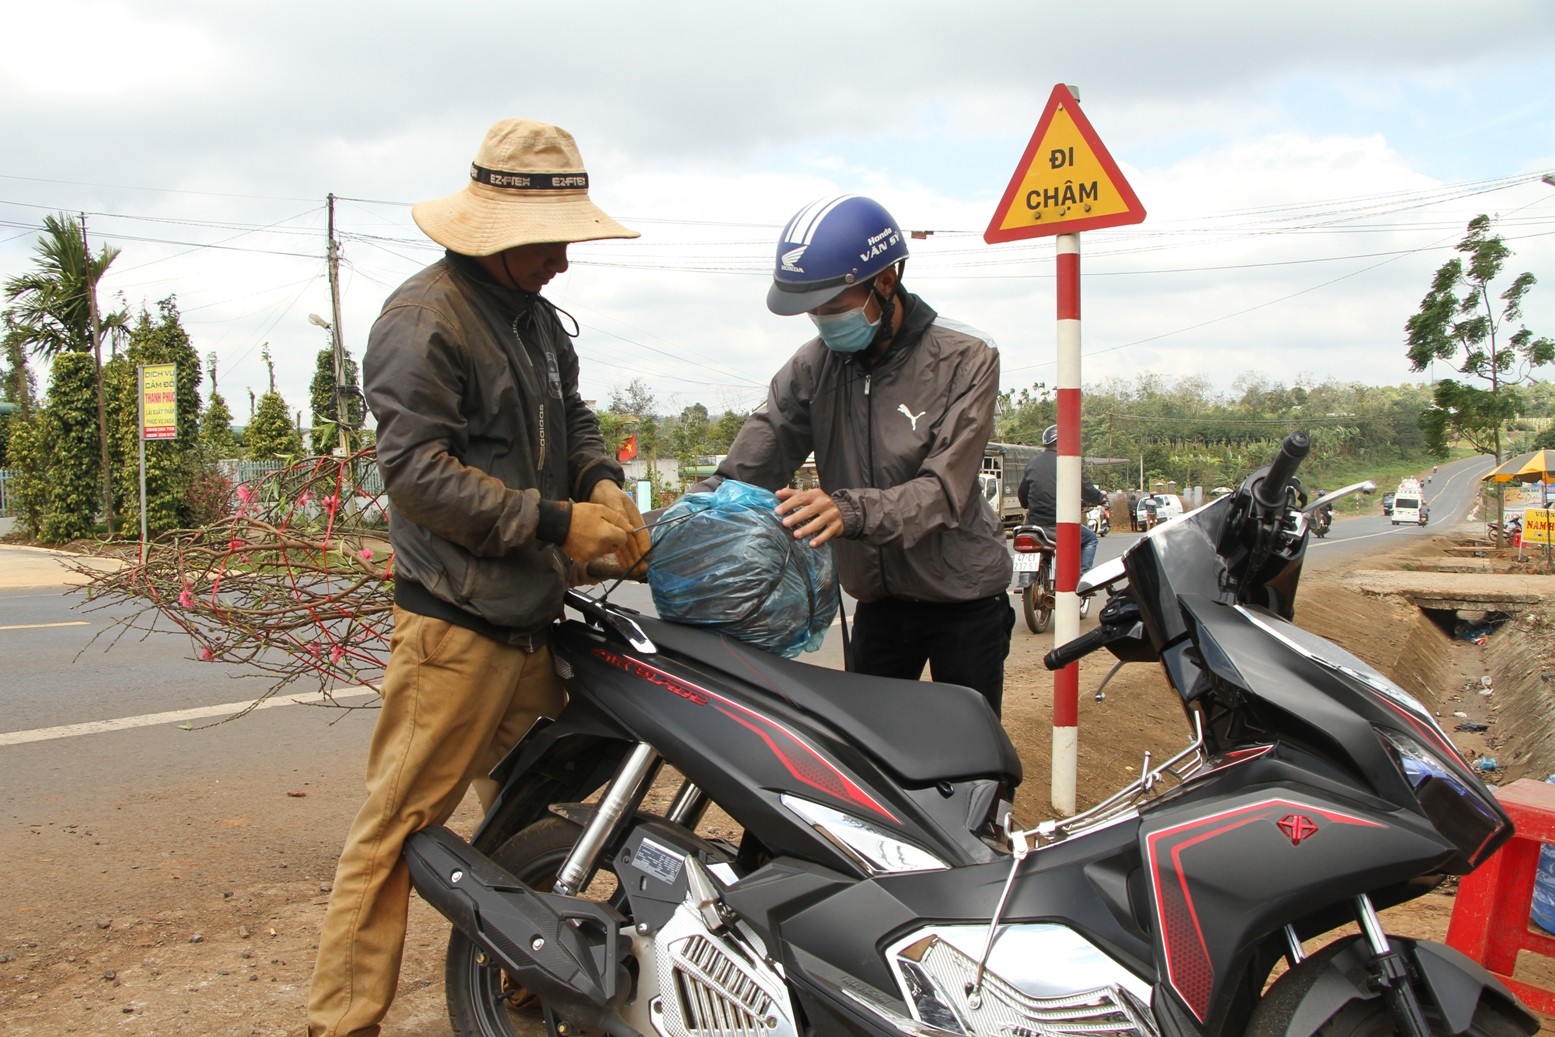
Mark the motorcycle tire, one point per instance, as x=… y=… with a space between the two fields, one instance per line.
x=1360 y=1018
x=482 y=1001
x=1040 y=590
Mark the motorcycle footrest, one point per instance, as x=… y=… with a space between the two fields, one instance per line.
x=557 y=946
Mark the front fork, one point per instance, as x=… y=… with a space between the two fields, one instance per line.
x=1388 y=969
x=1390 y=973
x=615 y=809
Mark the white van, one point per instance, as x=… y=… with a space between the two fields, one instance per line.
x=1409 y=507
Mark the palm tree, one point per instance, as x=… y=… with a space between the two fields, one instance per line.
x=54 y=307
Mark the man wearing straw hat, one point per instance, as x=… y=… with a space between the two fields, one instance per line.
x=500 y=485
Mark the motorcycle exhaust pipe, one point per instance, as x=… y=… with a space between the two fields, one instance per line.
x=564 y=949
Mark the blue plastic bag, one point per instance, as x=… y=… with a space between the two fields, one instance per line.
x=723 y=560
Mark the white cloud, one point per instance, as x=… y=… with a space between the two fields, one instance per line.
x=1304 y=172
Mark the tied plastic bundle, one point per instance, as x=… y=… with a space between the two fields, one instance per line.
x=723 y=560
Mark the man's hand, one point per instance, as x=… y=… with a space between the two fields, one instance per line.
x=631 y=557
x=811 y=514
x=595 y=532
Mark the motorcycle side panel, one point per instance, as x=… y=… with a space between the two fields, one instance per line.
x=748 y=748
x=1225 y=870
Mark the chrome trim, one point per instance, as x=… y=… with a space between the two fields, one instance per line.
x=1041 y=978
x=874 y=850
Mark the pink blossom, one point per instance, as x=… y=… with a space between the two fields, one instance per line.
x=331 y=503
x=245 y=495
x=304 y=498
x=234 y=544
x=366 y=554
x=185 y=598
x=335 y=653
x=205 y=654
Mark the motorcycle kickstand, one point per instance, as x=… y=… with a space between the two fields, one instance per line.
x=1390 y=973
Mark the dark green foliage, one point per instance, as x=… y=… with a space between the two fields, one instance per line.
x=51 y=304
x=69 y=439
x=271 y=435
x=27 y=457
x=325 y=433
x=1187 y=433
x=217 y=442
x=171 y=465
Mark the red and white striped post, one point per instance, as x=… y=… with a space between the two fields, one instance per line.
x=1065 y=182
x=1066 y=612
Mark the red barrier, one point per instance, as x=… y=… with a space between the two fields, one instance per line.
x=1490 y=918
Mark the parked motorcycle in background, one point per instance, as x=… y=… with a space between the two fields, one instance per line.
x=863 y=873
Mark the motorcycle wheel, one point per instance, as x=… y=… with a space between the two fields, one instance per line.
x=1038 y=591
x=1360 y=1018
x=482 y=1000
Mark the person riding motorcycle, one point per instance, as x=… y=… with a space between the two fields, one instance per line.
x=1323 y=517
x=1038 y=494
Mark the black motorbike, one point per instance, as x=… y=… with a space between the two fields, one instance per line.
x=1034 y=557
x=711 y=841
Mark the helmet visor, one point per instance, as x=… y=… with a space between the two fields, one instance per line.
x=790 y=301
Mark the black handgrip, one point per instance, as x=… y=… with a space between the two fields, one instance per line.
x=1073 y=651
x=1270 y=491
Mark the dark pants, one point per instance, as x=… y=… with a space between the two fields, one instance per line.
x=962 y=642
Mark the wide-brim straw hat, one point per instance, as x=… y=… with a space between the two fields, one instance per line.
x=527 y=185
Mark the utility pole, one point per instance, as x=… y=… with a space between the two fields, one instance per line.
x=336 y=340
x=97 y=356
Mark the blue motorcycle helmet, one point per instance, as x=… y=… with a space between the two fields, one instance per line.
x=828 y=247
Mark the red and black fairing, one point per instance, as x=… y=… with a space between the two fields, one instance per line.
x=749 y=727
x=1226 y=865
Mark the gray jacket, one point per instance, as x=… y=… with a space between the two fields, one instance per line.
x=899 y=447
x=475 y=388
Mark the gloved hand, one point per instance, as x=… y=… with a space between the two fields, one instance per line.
x=595 y=532
x=631 y=557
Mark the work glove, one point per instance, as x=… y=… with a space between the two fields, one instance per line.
x=631 y=556
x=595 y=533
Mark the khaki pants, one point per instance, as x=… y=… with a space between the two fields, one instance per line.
x=454 y=702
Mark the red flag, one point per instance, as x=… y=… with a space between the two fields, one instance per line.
x=628 y=449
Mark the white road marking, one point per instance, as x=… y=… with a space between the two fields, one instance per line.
x=177 y=716
x=45 y=626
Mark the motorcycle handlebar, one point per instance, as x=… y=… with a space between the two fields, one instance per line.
x=1064 y=654
x=1270 y=491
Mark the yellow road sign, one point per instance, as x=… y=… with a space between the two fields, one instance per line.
x=1066 y=181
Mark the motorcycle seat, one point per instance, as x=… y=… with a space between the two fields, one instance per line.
x=921 y=731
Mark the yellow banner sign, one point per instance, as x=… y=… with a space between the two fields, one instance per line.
x=1536 y=526
x=159 y=401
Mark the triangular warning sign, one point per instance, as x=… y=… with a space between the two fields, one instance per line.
x=1066 y=180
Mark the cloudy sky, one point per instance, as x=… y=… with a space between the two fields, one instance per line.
x=1305 y=168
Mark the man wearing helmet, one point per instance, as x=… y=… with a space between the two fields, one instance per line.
x=1038 y=494
x=897 y=404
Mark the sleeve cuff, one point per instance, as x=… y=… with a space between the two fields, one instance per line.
x=555 y=521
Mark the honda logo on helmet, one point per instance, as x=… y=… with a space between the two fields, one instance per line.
x=791 y=259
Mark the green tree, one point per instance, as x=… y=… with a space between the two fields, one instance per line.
x=53 y=305
x=271 y=435
x=325 y=432
x=18 y=388
x=27 y=456
x=1458 y=323
x=172 y=464
x=69 y=433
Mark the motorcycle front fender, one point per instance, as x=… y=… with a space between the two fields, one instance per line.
x=1447 y=979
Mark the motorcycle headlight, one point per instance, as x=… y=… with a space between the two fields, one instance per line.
x=1459 y=809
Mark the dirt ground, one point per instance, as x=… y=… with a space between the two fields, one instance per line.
x=188 y=940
